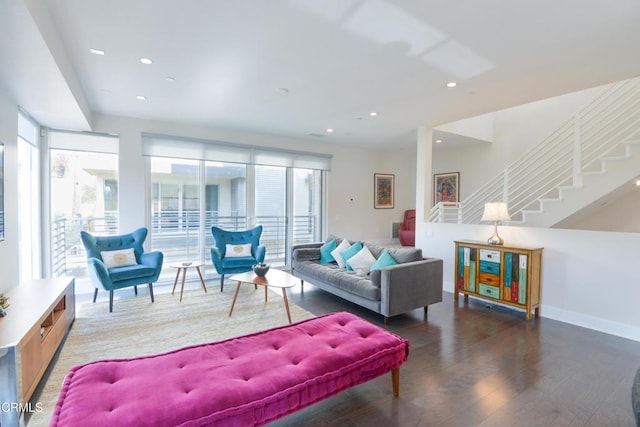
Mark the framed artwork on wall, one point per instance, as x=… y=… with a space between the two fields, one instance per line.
x=383 y=191
x=446 y=187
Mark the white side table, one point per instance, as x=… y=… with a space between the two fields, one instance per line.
x=184 y=266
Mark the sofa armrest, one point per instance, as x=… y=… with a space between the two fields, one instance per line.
x=315 y=245
x=306 y=254
x=405 y=287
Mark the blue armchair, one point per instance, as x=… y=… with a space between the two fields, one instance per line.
x=236 y=264
x=117 y=262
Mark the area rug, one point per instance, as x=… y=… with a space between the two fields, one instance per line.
x=139 y=328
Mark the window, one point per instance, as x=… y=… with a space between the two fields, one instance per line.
x=233 y=186
x=83 y=179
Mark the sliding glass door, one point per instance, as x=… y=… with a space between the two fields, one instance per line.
x=191 y=196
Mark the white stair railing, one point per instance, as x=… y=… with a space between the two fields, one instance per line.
x=578 y=145
x=445 y=212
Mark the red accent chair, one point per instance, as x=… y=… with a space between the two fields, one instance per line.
x=407 y=232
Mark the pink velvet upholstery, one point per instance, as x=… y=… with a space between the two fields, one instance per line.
x=407 y=232
x=248 y=380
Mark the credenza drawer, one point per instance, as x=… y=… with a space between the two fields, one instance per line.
x=488 y=255
x=489 y=267
x=489 y=279
x=489 y=291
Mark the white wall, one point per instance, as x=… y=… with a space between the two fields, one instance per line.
x=618 y=215
x=351 y=175
x=9 y=137
x=589 y=278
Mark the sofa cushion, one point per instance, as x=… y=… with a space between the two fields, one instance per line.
x=348 y=281
x=337 y=253
x=350 y=252
x=362 y=261
x=384 y=260
x=325 y=252
x=400 y=254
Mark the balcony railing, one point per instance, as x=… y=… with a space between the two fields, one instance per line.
x=177 y=235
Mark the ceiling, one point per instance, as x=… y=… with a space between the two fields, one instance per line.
x=298 y=67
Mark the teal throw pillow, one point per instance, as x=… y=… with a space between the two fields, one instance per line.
x=384 y=260
x=348 y=253
x=325 y=252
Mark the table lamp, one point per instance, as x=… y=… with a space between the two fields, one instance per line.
x=495 y=211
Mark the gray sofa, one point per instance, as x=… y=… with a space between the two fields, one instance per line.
x=414 y=282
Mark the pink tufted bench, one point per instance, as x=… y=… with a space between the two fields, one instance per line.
x=248 y=380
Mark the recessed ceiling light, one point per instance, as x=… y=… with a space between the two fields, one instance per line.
x=97 y=51
x=373 y=114
x=283 y=90
x=438 y=141
x=170 y=79
x=451 y=84
x=140 y=97
x=147 y=61
x=638 y=183
x=329 y=130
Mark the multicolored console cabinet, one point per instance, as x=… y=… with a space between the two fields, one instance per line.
x=505 y=274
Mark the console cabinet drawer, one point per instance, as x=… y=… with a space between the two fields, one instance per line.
x=489 y=279
x=489 y=255
x=490 y=291
x=489 y=267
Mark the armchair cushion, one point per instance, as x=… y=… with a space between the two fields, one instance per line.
x=119 y=258
x=238 y=251
x=131 y=272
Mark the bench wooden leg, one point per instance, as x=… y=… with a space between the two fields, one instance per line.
x=395 y=380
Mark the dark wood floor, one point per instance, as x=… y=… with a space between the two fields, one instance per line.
x=473 y=364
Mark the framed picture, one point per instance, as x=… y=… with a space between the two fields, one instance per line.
x=383 y=191
x=446 y=187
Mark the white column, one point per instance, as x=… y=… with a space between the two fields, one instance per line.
x=424 y=185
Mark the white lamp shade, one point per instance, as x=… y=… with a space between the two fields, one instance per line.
x=496 y=211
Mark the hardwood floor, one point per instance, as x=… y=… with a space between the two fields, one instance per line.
x=474 y=364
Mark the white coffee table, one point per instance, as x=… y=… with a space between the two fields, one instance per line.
x=184 y=266
x=274 y=278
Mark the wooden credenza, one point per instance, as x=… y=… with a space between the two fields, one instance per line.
x=39 y=316
x=505 y=274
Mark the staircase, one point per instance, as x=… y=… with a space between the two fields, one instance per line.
x=590 y=155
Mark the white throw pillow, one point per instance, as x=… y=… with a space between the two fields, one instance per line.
x=337 y=252
x=237 y=251
x=119 y=258
x=362 y=261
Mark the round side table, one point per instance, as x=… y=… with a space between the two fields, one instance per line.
x=184 y=266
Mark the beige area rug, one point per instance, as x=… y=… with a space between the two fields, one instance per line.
x=138 y=328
